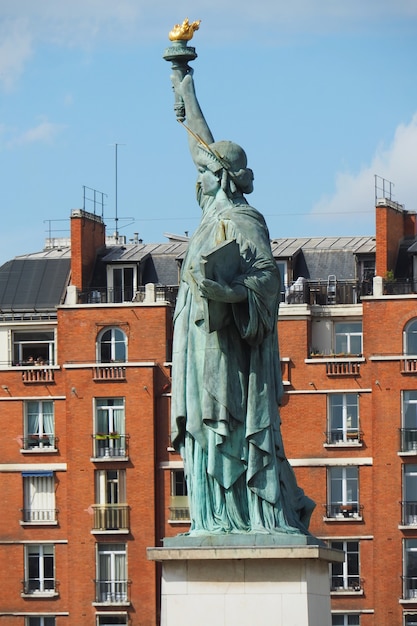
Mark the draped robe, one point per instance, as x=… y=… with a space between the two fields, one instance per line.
x=226 y=388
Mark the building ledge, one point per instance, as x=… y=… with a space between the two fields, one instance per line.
x=46 y=523
x=109 y=459
x=39 y=451
x=40 y=594
x=116 y=531
x=343 y=519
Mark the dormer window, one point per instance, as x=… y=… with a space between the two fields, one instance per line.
x=121 y=283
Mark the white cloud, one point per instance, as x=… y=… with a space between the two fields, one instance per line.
x=44 y=132
x=85 y=22
x=16 y=47
x=353 y=198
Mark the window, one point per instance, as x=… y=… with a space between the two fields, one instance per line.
x=110 y=511
x=343 y=418
x=410 y=338
x=345 y=576
x=111 y=584
x=34 y=348
x=39 y=497
x=122 y=283
x=40 y=621
x=39 y=569
x=345 y=620
x=348 y=337
x=343 y=492
x=110 y=439
x=410 y=620
x=282 y=268
x=39 y=425
x=179 y=506
x=410 y=569
x=409 y=505
x=111 y=620
x=409 y=419
x=112 y=346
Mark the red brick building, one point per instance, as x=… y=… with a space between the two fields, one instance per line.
x=87 y=474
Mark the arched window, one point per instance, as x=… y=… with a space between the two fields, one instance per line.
x=410 y=337
x=111 y=346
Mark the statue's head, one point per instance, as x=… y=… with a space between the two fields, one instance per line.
x=228 y=156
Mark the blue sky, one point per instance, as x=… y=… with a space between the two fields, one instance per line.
x=322 y=96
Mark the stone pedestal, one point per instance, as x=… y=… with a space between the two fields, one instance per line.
x=245 y=585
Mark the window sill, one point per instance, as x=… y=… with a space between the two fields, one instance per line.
x=407 y=526
x=407 y=600
x=344 y=444
x=39 y=451
x=176 y=522
x=110 y=603
x=46 y=523
x=111 y=531
x=109 y=459
x=342 y=518
x=408 y=453
x=346 y=592
x=40 y=594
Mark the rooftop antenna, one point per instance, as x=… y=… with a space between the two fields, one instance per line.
x=116 y=145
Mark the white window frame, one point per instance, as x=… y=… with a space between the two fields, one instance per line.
x=347 y=619
x=410 y=337
x=409 y=420
x=113 y=588
x=127 y=293
x=39 y=498
x=410 y=581
x=43 y=347
x=41 y=620
x=110 y=437
x=349 y=404
x=46 y=584
x=112 y=344
x=103 y=620
x=43 y=437
x=345 y=482
x=347 y=337
x=409 y=494
x=350 y=581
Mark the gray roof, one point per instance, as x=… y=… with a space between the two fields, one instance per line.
x=34 y=282
x=290 y=247
x=136 y=253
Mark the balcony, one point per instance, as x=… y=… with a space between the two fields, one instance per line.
x=110 y=446
x=410 y=588
x=110 y=517
x=39 y=516
x=342 y=512
x=409 y=366
x=104 y=295
x=40 y=443
x=346 y=584
x=179 y=509
x=109 y=373
x=408 y=440
x=320 y=293
x=347 y=437
x=38 y=375
x=409 y=513
x=44 y=587
x=112 y=591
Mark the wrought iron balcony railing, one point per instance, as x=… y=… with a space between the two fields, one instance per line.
x=409 y=513
x=179 y=509
x=408 y=440
x=344 y=437
x=110 y=445
x=110 y=517
x=350 y=510
x=410 y=588
x=39 y=442
x=39 y=586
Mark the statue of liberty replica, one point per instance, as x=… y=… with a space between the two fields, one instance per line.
x=226 y=374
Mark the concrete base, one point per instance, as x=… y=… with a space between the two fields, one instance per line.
x=245 y=586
